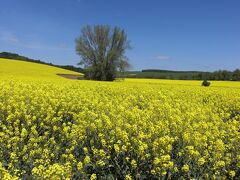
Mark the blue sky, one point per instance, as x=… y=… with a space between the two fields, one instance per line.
x=164 y=34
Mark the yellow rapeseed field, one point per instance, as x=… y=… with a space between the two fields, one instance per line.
x=25 y=70
x=55 y=128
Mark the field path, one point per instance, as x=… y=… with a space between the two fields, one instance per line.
x=70 y=76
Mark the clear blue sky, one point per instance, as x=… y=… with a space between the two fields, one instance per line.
x=165 y=34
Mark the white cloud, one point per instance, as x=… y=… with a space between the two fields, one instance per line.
x=8 y=37
x=161 y=57
x=63 y=46
x=36 y=45
x=12 y=39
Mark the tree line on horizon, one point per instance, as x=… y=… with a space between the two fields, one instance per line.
x=202 y=75
x=223 y=75
x=220 y=75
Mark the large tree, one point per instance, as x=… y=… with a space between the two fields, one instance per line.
x=102 y=50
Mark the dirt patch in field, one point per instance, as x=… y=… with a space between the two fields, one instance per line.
x=71 y=76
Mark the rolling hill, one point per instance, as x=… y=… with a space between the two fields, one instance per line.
x=17 y=69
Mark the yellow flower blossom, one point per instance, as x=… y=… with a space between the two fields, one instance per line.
x=185 y=168
x=93 y=176
x=87 y=160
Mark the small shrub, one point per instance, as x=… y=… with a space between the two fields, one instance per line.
x=206 y=83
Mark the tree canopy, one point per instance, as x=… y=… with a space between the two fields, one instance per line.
x=102 y=50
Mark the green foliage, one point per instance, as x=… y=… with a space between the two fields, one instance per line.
x=102 y=50
x=222 y=75
x=206 y=83
x=236 y=75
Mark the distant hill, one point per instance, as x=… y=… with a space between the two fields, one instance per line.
x=14 y=56
x=169 y=71
x=185 y=75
